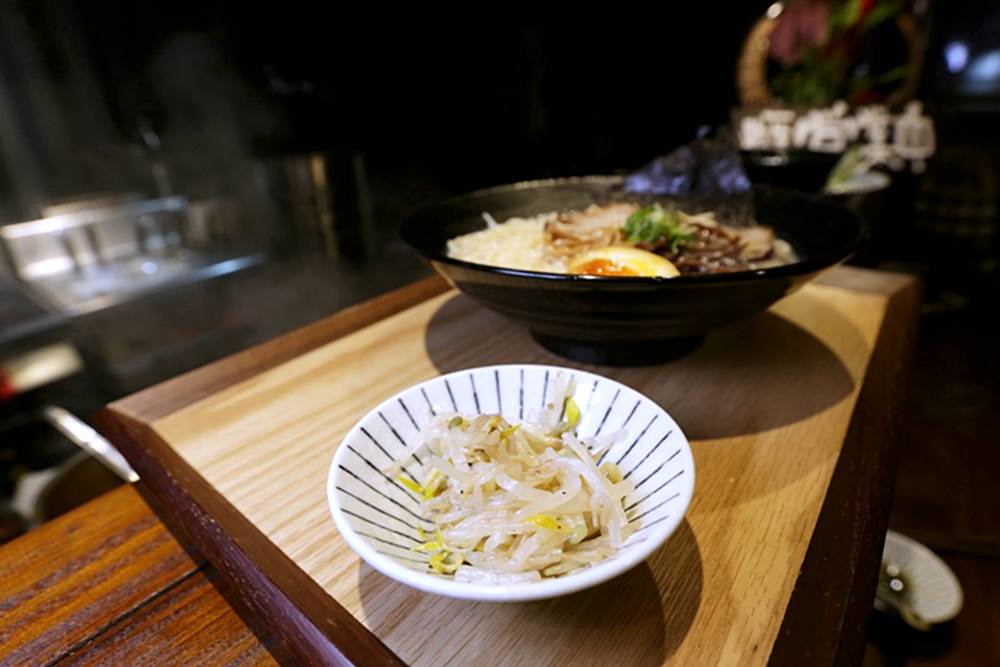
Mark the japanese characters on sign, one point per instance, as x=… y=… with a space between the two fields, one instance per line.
x=883 y=138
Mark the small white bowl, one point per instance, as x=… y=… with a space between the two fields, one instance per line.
x=934 y=591
x=378 y=517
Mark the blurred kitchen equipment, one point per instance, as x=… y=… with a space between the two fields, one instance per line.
x=151 y=141
x=77 y=204
x=89 y=440
x=23 y=318
x=38 y=367
x=34 y=454
x=77 y=480
x=319 y=200
x=96 y=257
x=96 y=468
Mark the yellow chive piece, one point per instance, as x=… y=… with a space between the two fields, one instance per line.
x=445 y=562
x=434 y=545
x=409 y=483
x=612 y=472
x=432 y=486
x=544 y=521
x=421 y=533
x=456 y=422
x=572 y=412
x=492 y=423
x=436 y=560
x=507 y=432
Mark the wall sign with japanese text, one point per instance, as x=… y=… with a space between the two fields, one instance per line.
x=882 y=138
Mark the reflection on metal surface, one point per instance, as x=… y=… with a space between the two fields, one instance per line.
x=94 y=258
x=90 y=441
x=92 y=237
x=109 y=285
x=91 y=216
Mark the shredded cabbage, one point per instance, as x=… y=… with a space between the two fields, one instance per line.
x=518 y=502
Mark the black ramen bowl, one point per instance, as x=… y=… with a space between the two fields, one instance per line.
x=627 y=321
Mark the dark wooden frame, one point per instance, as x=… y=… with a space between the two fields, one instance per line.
x=840 y=567
x=842 y=562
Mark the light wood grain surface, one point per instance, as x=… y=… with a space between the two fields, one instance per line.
x=766 y=404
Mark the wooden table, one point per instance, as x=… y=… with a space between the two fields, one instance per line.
x=109 y=583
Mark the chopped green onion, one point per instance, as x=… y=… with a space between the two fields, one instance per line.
x=653 y=224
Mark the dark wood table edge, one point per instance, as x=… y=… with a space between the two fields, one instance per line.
x=315 y=628
x=323 y=632
x=855 y=514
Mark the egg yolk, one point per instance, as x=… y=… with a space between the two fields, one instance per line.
x=622 y=262
x=604 y=267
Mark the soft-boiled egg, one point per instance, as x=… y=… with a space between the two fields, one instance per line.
x=622 y=261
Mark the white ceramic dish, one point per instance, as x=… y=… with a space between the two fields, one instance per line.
x=934 y=591
x=378 y=517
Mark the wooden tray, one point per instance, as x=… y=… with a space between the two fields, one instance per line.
x=237 y=454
